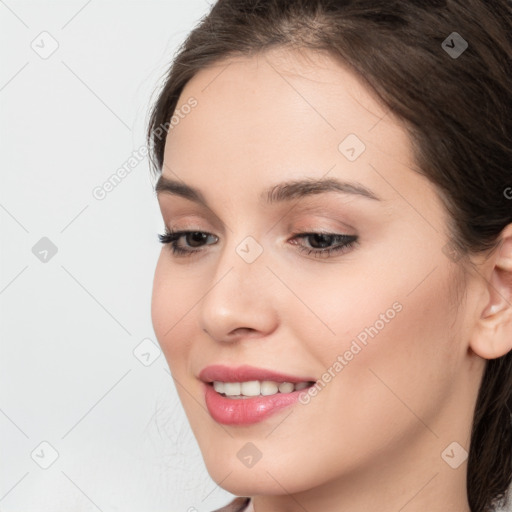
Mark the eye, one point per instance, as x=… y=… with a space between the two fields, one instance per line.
x=171 y=237
x=343 y=243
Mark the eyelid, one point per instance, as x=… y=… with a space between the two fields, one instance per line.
x=304 y=225
x=189 y=213
x=341 y=229
x=306 y=208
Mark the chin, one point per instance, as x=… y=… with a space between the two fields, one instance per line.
x=264 y=478
x=248 y=483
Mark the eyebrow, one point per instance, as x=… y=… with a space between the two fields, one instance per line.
x=281 y=192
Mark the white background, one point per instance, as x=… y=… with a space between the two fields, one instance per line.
x=69 y=325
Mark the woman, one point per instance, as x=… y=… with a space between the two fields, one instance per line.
x=334 y=292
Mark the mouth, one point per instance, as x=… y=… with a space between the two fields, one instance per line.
x=245 y=395
x=254 y=388
x=243 y=374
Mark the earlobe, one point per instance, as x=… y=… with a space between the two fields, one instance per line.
x=492 y=335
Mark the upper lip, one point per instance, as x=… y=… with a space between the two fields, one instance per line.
x=222 y=373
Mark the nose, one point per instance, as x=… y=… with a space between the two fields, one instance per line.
x=240 y=301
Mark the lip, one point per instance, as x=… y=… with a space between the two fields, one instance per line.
x=250 y=410
x=244 y=373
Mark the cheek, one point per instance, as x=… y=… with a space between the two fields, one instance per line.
x=170 y=312
x=393 y=315
x=399 y=347
x=160 y=301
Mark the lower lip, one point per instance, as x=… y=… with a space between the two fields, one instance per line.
x=245 y=411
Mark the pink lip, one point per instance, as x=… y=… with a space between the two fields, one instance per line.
x=245 y=373
x=245 y=411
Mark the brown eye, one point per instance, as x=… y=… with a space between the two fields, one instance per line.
x=192 y=239
x=319 y=247
x=195 y=237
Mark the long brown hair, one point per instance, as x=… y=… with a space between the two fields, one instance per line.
x=457 y=108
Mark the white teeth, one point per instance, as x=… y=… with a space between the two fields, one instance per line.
x=256 y=388
x=269 y=388
x=232 y=388
x=250 y=388
x=287 y=387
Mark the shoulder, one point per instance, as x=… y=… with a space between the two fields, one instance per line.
x=237 y=505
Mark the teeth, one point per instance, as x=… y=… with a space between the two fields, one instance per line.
x=256 y=388
x=232 y=388
x=287 y=387
x=269 y=388
x=218 y=386
x=251 y=388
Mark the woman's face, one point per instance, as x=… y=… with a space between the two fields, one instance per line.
x=378 y=324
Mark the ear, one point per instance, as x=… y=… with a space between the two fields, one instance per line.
x=492 y=335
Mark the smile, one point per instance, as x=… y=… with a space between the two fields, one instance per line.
x=244 y=395
x=256 y=388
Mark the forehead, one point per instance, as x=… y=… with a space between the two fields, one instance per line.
x=281 y=113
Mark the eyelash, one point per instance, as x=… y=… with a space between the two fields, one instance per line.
x=347 y=242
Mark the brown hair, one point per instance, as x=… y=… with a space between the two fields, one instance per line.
x=457 y=109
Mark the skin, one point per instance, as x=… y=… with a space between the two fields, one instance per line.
x=373 y=437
